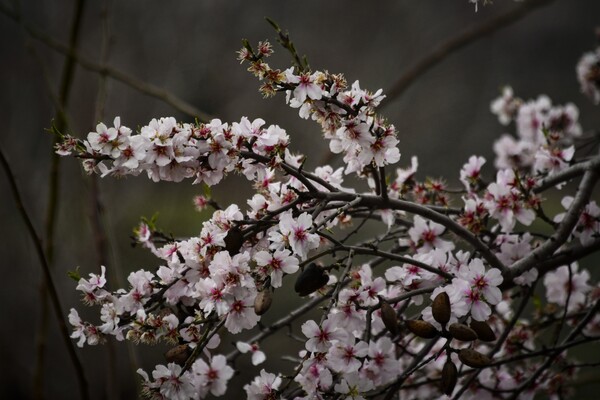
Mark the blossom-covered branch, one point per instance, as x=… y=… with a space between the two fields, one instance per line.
x=446 y=263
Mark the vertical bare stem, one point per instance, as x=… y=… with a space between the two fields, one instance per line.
x=52 y=292
x=52 y=207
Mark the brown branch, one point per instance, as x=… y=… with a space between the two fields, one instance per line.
x=551 y=357
x=60 y=102
x=424 y=211
x=457 y=42
x=54 y=299
x=114 y=73
x=565 y=175
x=563 y=231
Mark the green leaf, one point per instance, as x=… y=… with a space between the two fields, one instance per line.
x=207 y=191
x=75 y=275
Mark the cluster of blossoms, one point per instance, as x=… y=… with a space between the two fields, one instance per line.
x=380 y=332
x=588 y=74
x=347 y=115
x=545 y=134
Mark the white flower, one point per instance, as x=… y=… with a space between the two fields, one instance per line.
x=345 y=355
x=171 y=385
x=263 y=387
x=470 y=172
x=212 y=378
x=258 y=357
x=425 y=235
x=320 y=337
x=297 y=233
x=565 y=282
x=276 y=264
x=306 y=85
x=241 y=313
x=352 y=386
x=588 y=74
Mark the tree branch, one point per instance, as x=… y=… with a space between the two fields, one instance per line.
x=129 y=80
x=457 y=42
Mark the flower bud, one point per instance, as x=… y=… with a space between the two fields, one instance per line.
x=262 y=301
x=449 y=377
x=310 y=280
x=483 y=330
x=473 y=358
x=440 y=308
x=234 y=241
x=388 y=316
x=178 y=354
x=422 y=328
x=462 y=332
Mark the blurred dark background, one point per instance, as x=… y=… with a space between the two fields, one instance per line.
x=188 y=48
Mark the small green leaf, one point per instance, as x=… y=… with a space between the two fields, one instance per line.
x=75 y=275
x=207 y=191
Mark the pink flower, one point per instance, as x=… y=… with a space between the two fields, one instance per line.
x=170 y=384
x=263 y=387
x=93 y=288
x=503 y=203
x=276 y=264
x=505 y=106
x=588 y=71
x=352 y=386
x=381 y=365
x=212 y=378
x=241 y=313
x=306 y=86
x=486 y=282
x=565 y=282
x=320 y=337
x=588 y=226
x=297 y=232
x=258 y=357
x=102 y=140
x=345 y=356
x=425 y=235
x=470 y=172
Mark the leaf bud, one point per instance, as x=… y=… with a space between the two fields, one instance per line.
x=422 y=328
x=483 y=330
x=462 y=332
x=262 y=301
x=178 y=354
x=388 y=316
x=449 y=377
x=440 y=308
x=234 y=241
x=310 y=280
x=473 y=358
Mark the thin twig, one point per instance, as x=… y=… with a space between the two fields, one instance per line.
x=61 y=102
x=424 y=211
x=114 y=73
x=439 y=53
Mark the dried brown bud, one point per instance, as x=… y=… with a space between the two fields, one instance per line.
x=234 y=241
x=262 y=301
x=422 y=328
x=310 y=280
x=473 y=358
x=462 y=332
x=483 y=330
x=388 y=316
x=440 y=308
x=449 y=377
x=178 y=354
